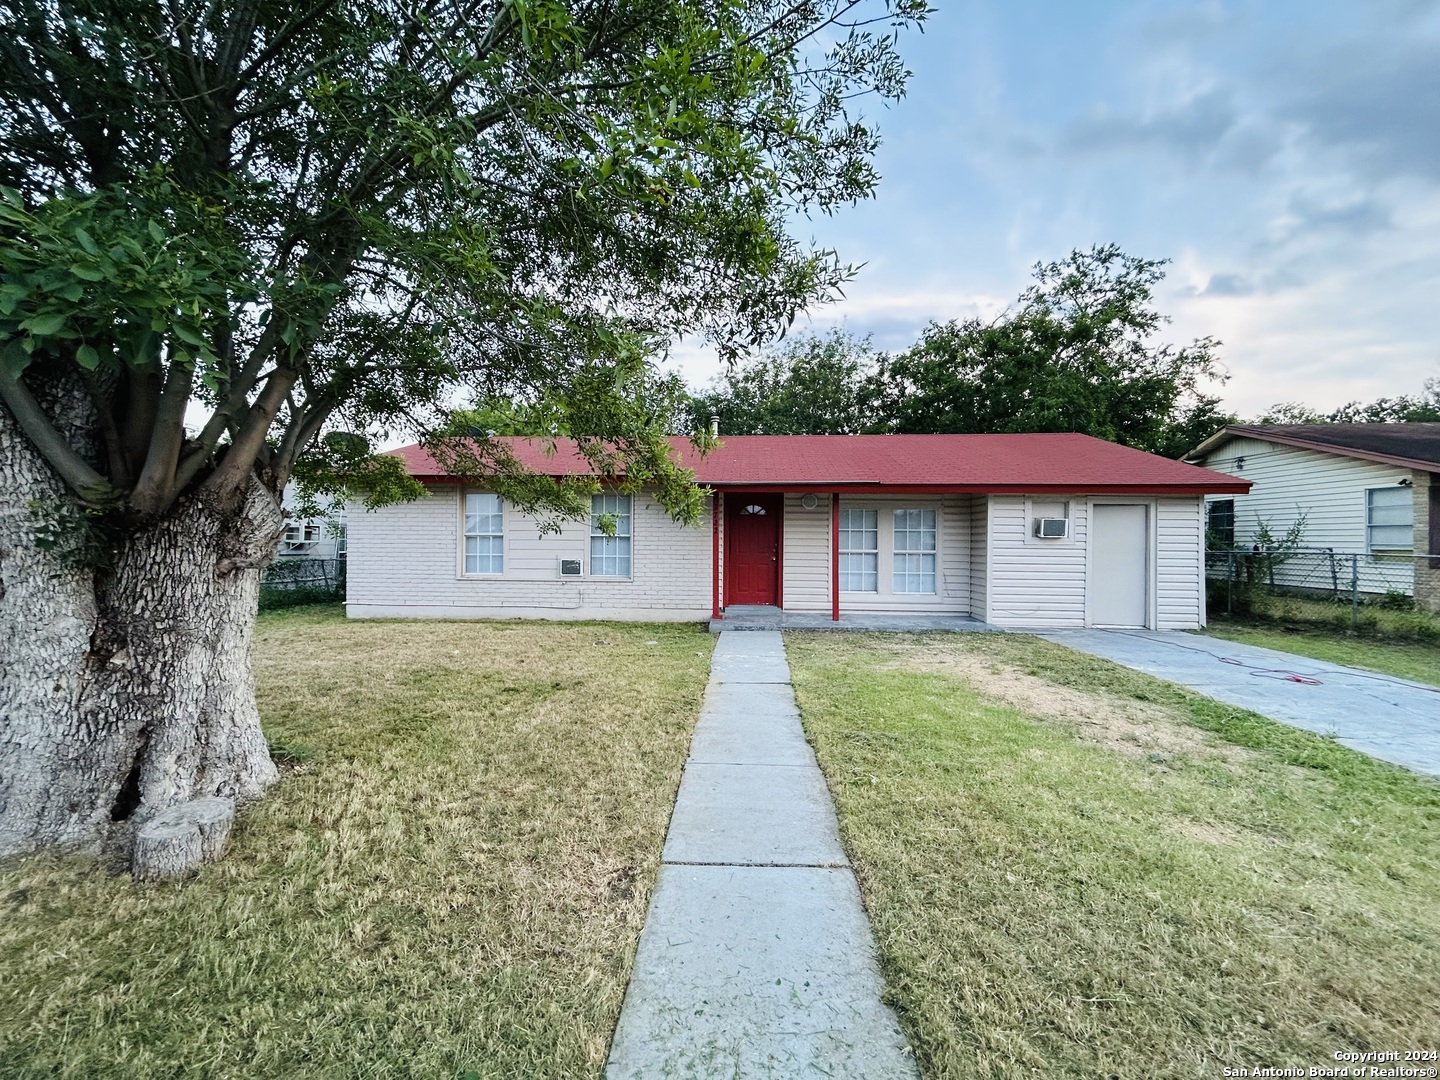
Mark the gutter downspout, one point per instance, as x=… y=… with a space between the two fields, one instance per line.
x=835 y=557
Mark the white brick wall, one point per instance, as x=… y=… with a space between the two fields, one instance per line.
x=405 y=561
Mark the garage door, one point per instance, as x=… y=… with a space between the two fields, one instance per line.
x=1119 y=593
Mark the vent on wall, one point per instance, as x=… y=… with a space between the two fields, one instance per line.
x=569 y=567
x=1052 y=528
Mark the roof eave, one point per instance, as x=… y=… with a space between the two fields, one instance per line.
x=1231 y=486
x=1264 y=434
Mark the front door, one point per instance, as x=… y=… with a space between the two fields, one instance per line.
x=752 y=549
x=1119 y=565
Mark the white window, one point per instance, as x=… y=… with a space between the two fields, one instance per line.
x=1390 y=520
x=610 y=555
x=484 y=534
x=914 y=551
x=859 y=550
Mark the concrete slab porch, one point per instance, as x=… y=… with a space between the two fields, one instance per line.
x=751 y=617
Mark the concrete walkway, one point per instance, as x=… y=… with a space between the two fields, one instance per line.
x=1386 y=717
x=756 y=959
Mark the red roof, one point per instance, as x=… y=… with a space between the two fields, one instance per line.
x=1061 y=462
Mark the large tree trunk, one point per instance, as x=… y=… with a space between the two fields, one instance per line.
x=125 y=690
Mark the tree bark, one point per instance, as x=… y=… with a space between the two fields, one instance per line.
x=127 y=689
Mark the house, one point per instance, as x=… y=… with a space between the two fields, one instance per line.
x=1048 y=530
x=1364 y=490
x=310 y=538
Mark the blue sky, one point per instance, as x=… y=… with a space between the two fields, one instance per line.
x=1285 y=156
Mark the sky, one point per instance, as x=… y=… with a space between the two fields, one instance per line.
x=1284 y=155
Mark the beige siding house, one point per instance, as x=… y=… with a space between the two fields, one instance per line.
x=1364 y=490
x=997 y=528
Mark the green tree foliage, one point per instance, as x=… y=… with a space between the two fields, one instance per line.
x=1419 y=408
x=1077 y=353
x=310 y=216
x=812 y=385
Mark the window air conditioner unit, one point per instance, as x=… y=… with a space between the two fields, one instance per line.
x=569 y=567
x=1052 y=528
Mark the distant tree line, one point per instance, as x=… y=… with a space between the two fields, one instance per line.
x=1077 y=352
x=1419 y=408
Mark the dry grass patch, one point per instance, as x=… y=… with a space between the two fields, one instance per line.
x=1134 y=727
x=1046 y=906
x=450 y=878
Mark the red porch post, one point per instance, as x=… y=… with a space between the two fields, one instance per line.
x=715 y=556
x=835 y=556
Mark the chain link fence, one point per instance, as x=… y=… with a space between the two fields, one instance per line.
x=292 y=582
x=1319 y=585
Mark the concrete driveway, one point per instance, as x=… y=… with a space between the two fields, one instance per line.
x=1386 y=717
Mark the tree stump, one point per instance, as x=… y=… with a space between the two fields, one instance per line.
x=181 y=838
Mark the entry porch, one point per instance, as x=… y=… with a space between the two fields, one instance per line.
x=758 y=617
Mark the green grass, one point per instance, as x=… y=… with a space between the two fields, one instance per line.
x=1369 y=619
x=451 y=877
x=1408 y=659
x=1074 y=870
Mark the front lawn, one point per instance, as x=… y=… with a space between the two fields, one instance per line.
x=1418 y=660
x=450 y=879
x=1075 y=870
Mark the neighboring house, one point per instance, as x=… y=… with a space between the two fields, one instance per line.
x=310 y=538
x=1015 y=530
x=1369 y=490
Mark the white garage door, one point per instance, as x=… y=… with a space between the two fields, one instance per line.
x=1119 y=564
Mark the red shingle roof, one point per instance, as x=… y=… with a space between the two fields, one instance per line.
x=997 y=463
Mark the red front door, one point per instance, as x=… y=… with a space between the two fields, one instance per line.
x=752 y=549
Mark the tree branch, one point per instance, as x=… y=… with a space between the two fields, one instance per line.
x=234 y=470
x=92 y=488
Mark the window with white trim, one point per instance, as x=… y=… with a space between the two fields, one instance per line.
x=610 y=553
x=1390 y=520
x=859 y=550
x=484 y=534
x=914 y=567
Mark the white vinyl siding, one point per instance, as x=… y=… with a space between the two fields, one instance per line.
x=1329 y=490
x=859 y=550
x=979 y=532
x=610 y=553
x=1390 y=520
x=951 y=593
x=915 y=551
x=484 y=534
x=1179 y=566
x=1032 y=582
x=806 y=584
